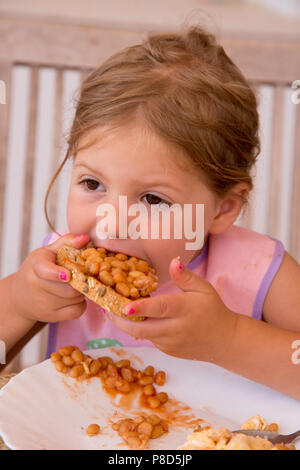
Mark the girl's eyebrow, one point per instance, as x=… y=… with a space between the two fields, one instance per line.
x=84 y=165
x=150 y=183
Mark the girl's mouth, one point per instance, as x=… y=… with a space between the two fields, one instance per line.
x=111 y=245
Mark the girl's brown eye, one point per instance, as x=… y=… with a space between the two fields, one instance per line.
x=152 y=199
x=90 y=184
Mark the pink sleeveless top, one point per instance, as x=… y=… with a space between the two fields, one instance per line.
x=239 y=263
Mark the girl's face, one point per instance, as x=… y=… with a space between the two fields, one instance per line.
x=131 y=161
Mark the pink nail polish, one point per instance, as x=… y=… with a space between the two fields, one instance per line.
x=103 y=310
x=131 y=311
x=179 y=263
x=81 y=235
x=63 y=276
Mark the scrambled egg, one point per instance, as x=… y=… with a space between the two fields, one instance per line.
x=223 y=439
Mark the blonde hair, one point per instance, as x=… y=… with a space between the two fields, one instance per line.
x=187 y=91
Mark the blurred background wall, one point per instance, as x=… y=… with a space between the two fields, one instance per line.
x=47 y=47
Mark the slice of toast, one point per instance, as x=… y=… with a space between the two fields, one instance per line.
x=103 y=295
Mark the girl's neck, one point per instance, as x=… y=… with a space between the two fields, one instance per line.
x=197 y=253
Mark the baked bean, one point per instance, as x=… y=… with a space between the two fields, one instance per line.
x=66 y=350
x=119 y=277
x=93 y=268
x=163 y=397
x=77 y=356
x=125 y=426
x=101 y=250
x=136 y=274
x=112 y=370
x=105 y=360
x=157 y=431
x=88 y=252
x=153 y=402
x=145 y=428
x=94 y=259
x=131 y=265
x=60 y=367
x=123 y=386
x=106 y=278
x=121 y=256
x=122 y=289
x=160 y=377
x=116 y=263
x=68 y=361
x=117 y=271
x=77 y=371
x=134 y=293
x=92 y=429
x=95 y=366
x=110 y=382
x=133 y=442
x=140 y=283
x=105 y=266
x=55 y=356
x=146 y=380
x=122 y=363
x=142 y=266
x=127 y=374
x=153 y=419
x=149 y=370
x=149 y=390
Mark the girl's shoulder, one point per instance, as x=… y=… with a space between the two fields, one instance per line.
x=242 y=264
x=246 y=243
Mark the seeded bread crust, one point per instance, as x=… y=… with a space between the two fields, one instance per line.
x=105 y=296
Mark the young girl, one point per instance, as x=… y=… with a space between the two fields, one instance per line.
x=171 y=120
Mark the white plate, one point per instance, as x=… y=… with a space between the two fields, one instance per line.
x=41 y=408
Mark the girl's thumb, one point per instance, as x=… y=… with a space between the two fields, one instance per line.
x=71 y=239
x=187 y=280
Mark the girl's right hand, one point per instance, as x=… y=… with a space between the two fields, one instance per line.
x=40 y=289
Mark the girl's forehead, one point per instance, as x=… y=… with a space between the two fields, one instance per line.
x=134 y=144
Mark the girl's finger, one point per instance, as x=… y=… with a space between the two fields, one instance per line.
x=150 y=329
x=187 y=280
x=49 y=271
x=71 y=239
x=70 y=312
x=160 y=306
x=44 y=265
x=64 y=291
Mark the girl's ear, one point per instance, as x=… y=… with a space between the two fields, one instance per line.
x=229 y=208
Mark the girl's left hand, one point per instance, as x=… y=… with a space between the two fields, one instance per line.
x=193 y=324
